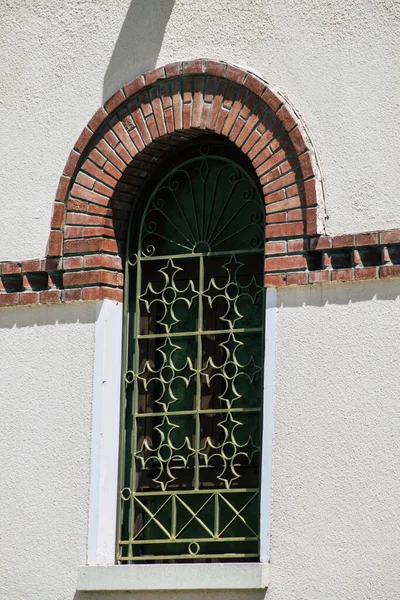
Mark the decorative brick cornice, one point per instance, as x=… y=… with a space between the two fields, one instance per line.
x=133 y=132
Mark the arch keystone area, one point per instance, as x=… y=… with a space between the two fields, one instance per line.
x=128 y=137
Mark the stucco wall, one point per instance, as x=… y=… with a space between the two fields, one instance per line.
x=46 y=372
x=336 y=457
x=336 y=475
x=337 y=62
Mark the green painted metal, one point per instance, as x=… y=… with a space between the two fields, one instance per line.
x=192 y=372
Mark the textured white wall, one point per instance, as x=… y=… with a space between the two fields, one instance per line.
x=336 y=460
x=338 y=63
x=46 y=372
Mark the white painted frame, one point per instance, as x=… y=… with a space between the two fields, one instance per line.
x=101 y=573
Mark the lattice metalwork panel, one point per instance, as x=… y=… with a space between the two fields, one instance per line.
x=189 y=481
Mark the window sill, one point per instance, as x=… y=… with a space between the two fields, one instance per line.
x=206 y=576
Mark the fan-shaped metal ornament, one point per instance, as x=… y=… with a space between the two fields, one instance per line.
x=193 y=355
x=205 y=205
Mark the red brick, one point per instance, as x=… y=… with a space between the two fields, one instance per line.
x=103 y=260
x=320 y=243
x=251 y=140
x=275 y=196
x=390 y=237
x=97 y=158
x=251 y=123
x=271 y=98
x=72 y=232
x=71 y=295
x=223 y=115
x=62 y=190
x=98 y=293
x=57 y=218
x=152 y=127
x=82 y=219
x=30 y=266
x=295 y=190
x=276 y=280
x=173 y=69
x=310 y=191
x=295 y=215
x=75 y=205
x=215 y=68
x=366 y=273
x=94 y=170
x=83 y=140
x=275 y=247
x=306 y=165
x=50 y=296
x=73 y=262
x=10 y=268
x=280 y=183
x=343 y=275
x=319 y=276
x=287 y=204
x=134 y=86
x=71 y=163
x=197 y=101
x=237 y=128
x=343 y=241
x=98 y=118
x=112 y=156
x=284 y=230
x=367 y=239
x=99 y=276
x=90 y=245
x=296 y=278
x=85 y=180
x=255 y=84
x=284 y=263
x=297 y=140
x=116 y=100
x=123 y=136
x=29 y=298
x=388 y=271
x=311 y=221
x=9 y=299
x=204 y=115
x=193 y=67
x=279 y=217
x=286 y=117
x=169 y=120
x=297 y=245
x=55 y=243
x=51 y=264
x=235 y=74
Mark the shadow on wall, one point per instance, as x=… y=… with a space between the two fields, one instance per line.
x=48 y=314
x=174 y=595
x=138 y=44
x=339 y=293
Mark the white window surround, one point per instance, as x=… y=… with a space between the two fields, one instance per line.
x=101 y=573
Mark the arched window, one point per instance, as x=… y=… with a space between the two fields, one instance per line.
x=192 y=364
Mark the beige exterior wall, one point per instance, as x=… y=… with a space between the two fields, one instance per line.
x=336 y=493
x=336 y=458
x=46 y=374
x=337 y=62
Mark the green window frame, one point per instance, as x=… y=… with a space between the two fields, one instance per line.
x=193 y=345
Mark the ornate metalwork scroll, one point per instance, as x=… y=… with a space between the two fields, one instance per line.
x=189 y=474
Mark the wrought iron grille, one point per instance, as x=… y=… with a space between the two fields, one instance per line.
x=192 y=375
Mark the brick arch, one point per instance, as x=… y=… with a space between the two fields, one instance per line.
x=143 y=122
